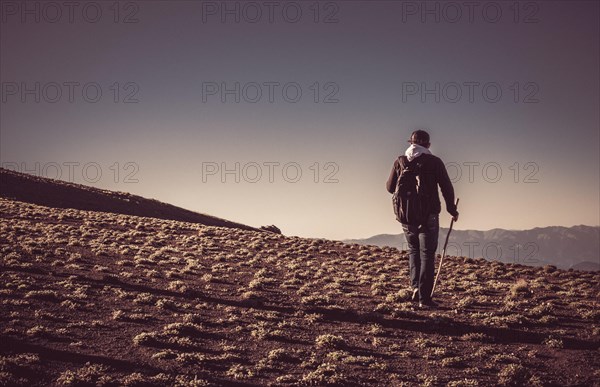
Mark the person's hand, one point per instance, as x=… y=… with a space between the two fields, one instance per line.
x=455 y=217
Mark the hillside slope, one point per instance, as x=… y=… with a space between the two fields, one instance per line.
x=94 y=298
x=61 y=194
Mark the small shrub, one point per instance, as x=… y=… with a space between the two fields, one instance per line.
x=38 y=331
x=330 y=341
x=554 y=342
x=520 y=288
x=512 y=375
x=146 y=339
x=455 y=361
x=238 y=372
x=88 y=375
x=326 y=374
x=463 y=383
x=144 y=298
x=165 y=303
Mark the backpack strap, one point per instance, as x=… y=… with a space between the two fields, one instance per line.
x=402 y=163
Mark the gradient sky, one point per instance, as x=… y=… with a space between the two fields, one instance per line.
x=372 y=50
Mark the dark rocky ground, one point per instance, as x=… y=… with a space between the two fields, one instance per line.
x=98 y=298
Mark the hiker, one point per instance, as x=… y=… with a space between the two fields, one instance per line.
x=418 y=208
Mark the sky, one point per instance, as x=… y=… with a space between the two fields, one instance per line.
x=293 y=112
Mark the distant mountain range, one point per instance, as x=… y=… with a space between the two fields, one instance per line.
x=576 y=247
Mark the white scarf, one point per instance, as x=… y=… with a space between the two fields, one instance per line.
x=415 y=151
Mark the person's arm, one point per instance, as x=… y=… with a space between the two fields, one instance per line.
x=447 y=189
x=391 y=183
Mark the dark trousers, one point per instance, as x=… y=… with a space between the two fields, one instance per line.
x=422 y=243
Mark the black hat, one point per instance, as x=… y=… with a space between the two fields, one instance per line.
x=419 y=137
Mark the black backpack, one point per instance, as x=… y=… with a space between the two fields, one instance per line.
x=410 y=206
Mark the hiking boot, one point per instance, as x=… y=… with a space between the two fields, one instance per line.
x=415 y=295
x=428 y=305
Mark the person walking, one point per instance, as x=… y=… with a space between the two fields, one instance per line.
x=420 y=218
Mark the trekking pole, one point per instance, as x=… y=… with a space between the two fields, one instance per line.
x=443 y=252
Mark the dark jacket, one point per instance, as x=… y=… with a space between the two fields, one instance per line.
x=433 y=173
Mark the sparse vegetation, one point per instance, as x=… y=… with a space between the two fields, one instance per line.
x=208 y=305
x=512 y=375
x=88 y=375
x=520 y=288
x=330 y=341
